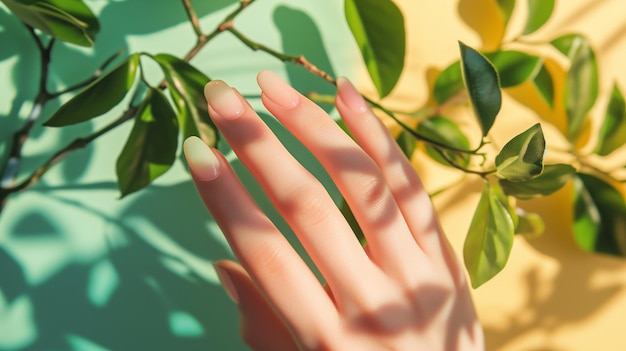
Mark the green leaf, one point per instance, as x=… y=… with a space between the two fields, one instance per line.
x=407 y=143
x=529 y=224
x=581 y=85
x=99 y=97
x=545 y=86
x=522 y=157
x=349 y=216
x=553 y=178
x=186 y=86
x=27 y=2
x=342 y=124
x=490 y=238
x=505 y=201
x=566 y=42
x=378 y=28
x=448 y=83
x=483 y=86
x=613 y=130
x=514 y=67
x=599 y=216
x=150 y=149
x=67 y=20
x=539 y=12
x=446 y=132
x=506 y=8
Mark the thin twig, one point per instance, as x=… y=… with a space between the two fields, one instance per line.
x=44 y=55
x=302 y=61
x=417 y=135
x=203 y=39
x=71 y=147
x=10 y=168
x=453 y=163
x=193 y=17
x=298 y=60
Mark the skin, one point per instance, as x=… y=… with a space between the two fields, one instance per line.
x=404 y=291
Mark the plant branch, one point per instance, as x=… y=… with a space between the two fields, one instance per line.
x=69 y=148
x=452 y=163
x=298 y=60
x=417 y=135
x=203 y=39
x=11 y=167
x=302 y=61
x=9 y=173
x=193 y=17
x=44 y=55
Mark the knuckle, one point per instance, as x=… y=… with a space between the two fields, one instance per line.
x=374 y=195
x=307 y=204
x=323 y=125
x=372 y=190
x=271 y=258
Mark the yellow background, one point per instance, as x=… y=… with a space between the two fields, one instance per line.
x=551 y=295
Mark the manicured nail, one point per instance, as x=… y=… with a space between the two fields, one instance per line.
x=277 y=90
x=227 y=283
x=202 y=161
x=223 y=99
x=350 y=96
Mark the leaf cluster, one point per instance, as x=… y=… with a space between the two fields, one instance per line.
x=175 y=109
x=480 y=78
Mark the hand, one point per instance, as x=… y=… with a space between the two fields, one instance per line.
x=404 y=291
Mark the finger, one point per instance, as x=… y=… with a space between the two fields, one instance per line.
x=406 y=187
x=297 y=195
x=276 y=268
x=357 y=177
x=260 y=327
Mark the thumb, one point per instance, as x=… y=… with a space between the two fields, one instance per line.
x=259 y=325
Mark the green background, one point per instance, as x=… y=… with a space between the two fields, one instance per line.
x=82 y=269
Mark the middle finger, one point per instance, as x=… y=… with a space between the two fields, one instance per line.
x=298 y=196
x=357 y=176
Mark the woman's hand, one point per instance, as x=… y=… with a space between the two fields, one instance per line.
x=404 y=291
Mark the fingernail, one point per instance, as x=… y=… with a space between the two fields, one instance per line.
x=350 y=96
x=277 y=90
x=227 y=283
x=202 y=161
x=223 y=99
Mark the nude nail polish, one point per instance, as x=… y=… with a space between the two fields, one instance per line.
x=227 y=283
x=202 y=160
x=277 y=90
x=350 y=96
x=223 y=99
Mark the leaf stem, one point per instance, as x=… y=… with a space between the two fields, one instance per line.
x=415 y=134
x=452 y=163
